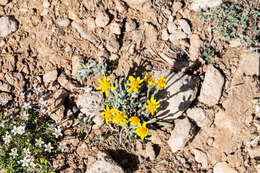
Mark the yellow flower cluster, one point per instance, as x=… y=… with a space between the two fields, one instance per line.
x=134 y=84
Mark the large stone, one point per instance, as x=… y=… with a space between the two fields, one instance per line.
x=105 y=164
x=50 y=76
x=199 y=116
x=102 y=19
x=180 y=92
x=90 y=103
x=223 y=167
x=8 y=25
x=211 y=89
x=197 y=4
x=250 y=63
x=200 y=157
x=185 y=26
x=180 y=134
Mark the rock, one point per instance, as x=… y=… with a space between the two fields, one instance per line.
x=102 y=19
x=15 y=79
x=165 y=35
x=179 y=135
x=257 y=167
x=75 y=64
x=250 y=63
x=5 y=87
x=150 y=151
x=82 y=150
x=177 y=35
x=51 y=76
x=88 y=36
x=46 y=4
x=185 y=26
x=171 y=27
x=121 y=6
x=8 y=25
x=254 y=152
x=4 y=2
x=130 y=25
x=114 y=57
x=65 y=22
x=199 y=116
x=64 y=82
x=212 y=85
x=195 y=44
x=155 y=137
x=115 y=28
x=200 y=157
x=112 y=44
x=68 y=48
x=90 y=103
x=98 y=120
x=176 y=6
x=9 y=63
x=180 y=91
x=223 y=167
x=91 y=24
x=104 y=164
x=135 y=3
x=197 y=4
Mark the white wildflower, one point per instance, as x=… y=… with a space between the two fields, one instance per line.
x=48 y=147
x=62 y=147
x=25 y=116
x=27 y=152
x=25 y=162
x=42 y=111
x=13 y=152
x=7 y=139
x=21 y=94
x=39 y=142
x=2 y=124
x=15 y=130
x=37 y=90
x=43 y=102
x=4 y=101
x=57 y=132
x=27 y=105
x=21 y=129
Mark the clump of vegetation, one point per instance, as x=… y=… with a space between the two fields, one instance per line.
x=28 y=139
x=131 y=104
x=92 y=67
x=235 y=21
x=208 y=53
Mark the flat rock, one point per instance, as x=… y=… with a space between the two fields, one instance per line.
x=50 y=76
x=223 y=167
x=90 y=103
x=212 y=85
x=180 y=91
x=65 y=22
x=177 y=35
x=180 y=134
x=64 y=82
x=150 y=151
x=185 y=26
x=197 y=4
x=199 y=116
x=102 y=19
x=104 y=164
x=8 y=25
x=200 y=157
x=250 y=64
x=85 y=35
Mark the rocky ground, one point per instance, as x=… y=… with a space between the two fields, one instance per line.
x=216 y=125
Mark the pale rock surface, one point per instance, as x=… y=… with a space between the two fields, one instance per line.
x=50 y=76
x=91 y=24
x=165 y=35
x=15 y=79
x=82 y=150
x=171 y=27
x=179 y=135
x=199 y=116
x=195 y=44
x=104 y=164
x=130 y=25
x=121 y=6
x=85 y=35
x=102 y=19
x=65 y=22
x=4 y=2
x=5 y=86
x=223 y=167
x=64 y=82
x=8 y=25
x=185 y=26
x=200 y=157
x=177 y=35
x=250 y=63
x=212 y=85
x=150 y=151
x=197 y=4
x=116 y=28
x=75 y=64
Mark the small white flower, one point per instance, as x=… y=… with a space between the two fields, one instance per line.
x=25 y=162
x=42 y=111
x=2 y=124
x=27 y=152
x=21 y=130
x=51 y=126
x=257 y=108
x=7 y=139
x=39 y=142
x=25 y=116
x=43 y=102
x=13 y=152
x=57 y=132
x=4 y=101
x=48 y=147
x=27 y=105
x=37 y=90
x=62 y=147
x=15 y=130
x=21 y=94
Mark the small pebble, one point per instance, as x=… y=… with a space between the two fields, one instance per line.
x=102 y=19
x=4 y=2
x=116 y=28
x=68 y=48
x=65 y=22
x=130 y=25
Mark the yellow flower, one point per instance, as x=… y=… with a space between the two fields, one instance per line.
x=6 y=170
x=119 y=118
x=134 y=84
x=152 y=105
x=105 y=85
x=142 y=131
x=108 y=114
x=161 y=82
x=52 y=172
x=149 y=79
x=134 y=121
x=42 y=160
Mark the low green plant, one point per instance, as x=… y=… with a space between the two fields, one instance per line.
x=28 y=139
x=235 y=21
x=208 y=53
x=91 y=67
